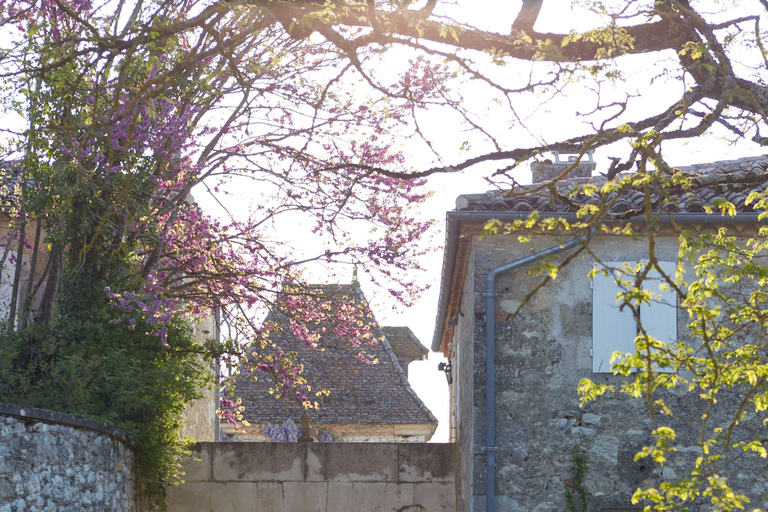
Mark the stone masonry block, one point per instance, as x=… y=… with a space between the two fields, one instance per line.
x=191 y=496
x=352 y=462
x=368 y=496
x=422 y=462
x=305 y=496
x=216 y=497
x=269 y=497
x=258 y=462
x=240 y=496
x=197 y=467
x=434 y=497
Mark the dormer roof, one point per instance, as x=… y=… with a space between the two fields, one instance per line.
x=405 y=344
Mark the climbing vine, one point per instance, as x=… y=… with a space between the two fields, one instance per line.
x=576 y=494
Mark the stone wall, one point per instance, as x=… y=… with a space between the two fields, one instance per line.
x=352 y=433
x=55 y=461
x=541 y=356
x=322 y=477
x=462 y=391
x=200 y=420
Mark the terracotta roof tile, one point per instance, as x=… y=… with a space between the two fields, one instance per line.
x=738 y=178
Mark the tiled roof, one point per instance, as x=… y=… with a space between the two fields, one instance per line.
x=404 y=343
x=360 y=393
x=732 y=180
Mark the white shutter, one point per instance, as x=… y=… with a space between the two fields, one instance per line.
x=659 y=318
x=612 y=329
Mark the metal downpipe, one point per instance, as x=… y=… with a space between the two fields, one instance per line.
x=490 y=358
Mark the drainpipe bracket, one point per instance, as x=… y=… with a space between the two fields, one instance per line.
x=489 y=448
x=491 y=294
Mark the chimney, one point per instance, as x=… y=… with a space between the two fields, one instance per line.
x=547 y=170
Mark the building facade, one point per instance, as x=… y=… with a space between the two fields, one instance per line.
x=365 y=402
x=544 y=339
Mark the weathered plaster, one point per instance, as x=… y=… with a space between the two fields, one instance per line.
x=200 y=416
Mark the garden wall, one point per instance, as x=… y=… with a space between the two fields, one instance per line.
x=56 y=461
x=323 y=477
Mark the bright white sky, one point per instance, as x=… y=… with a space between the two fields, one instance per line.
x=551 y=122
x=497 y=15
x=555 y=17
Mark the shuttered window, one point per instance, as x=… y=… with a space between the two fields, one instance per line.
x=614 y=329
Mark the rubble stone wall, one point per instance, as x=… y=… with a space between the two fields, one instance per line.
x=55 y=461
x=541 y=356
x=322 y=477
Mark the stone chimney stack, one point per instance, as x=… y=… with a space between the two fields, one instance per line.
x=547 y=170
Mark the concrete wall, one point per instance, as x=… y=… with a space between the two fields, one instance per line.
x=323 y=477
x=541 y=356
x=55 y=461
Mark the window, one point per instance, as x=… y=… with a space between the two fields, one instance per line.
x=614 y=329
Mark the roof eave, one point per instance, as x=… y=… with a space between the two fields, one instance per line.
x=453 y=227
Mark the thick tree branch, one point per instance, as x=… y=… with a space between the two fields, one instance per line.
x=528 y=15
x=648 y=37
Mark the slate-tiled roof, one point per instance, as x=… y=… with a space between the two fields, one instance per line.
x=732 y=180
x=404 y=343
x=360 y=393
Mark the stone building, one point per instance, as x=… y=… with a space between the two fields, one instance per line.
x=518 y=371
x=366 y=403
x=10 y=192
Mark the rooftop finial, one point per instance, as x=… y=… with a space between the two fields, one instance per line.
x=354 y=276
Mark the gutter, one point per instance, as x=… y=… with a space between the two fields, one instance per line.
x=216 y=384
x=453 y=221
x=490 y=357
x=455 y=218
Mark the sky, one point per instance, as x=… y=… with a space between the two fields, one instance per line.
x=540 y=119
x=430 y=384
x=545 y=120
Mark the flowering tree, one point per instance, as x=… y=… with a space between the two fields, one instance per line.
x=128 y=105
x=131 y=105
x=636 y=81
x=124 y=108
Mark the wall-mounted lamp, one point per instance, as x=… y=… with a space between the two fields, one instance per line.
x=446 y=367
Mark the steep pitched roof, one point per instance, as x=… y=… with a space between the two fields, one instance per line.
x=360 y=393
